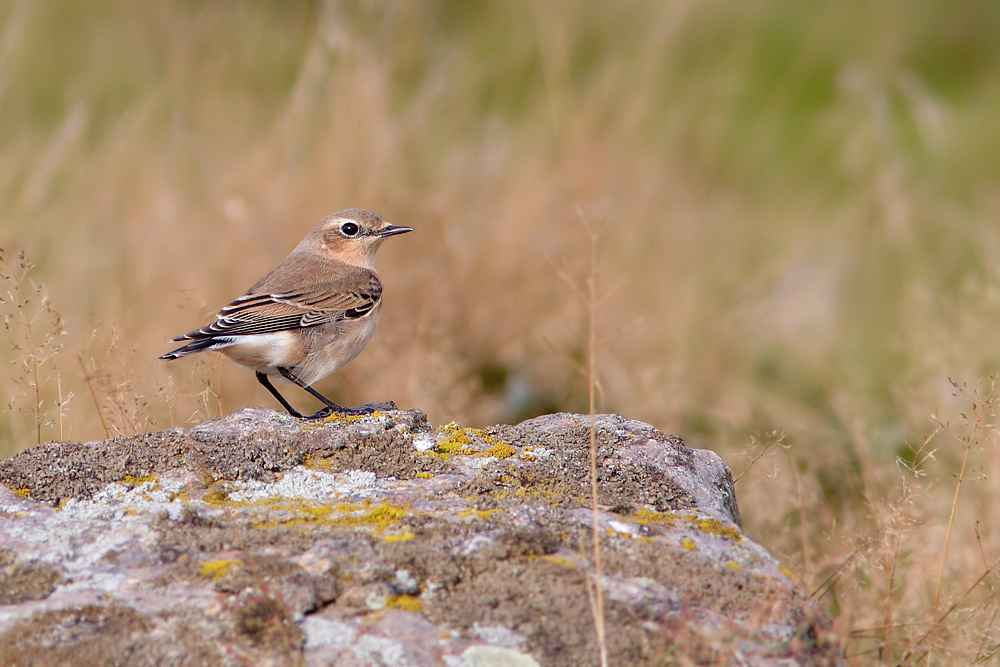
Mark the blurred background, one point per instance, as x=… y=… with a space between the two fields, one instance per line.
x=794 y=205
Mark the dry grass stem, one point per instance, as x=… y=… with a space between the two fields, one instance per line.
x=774 y=441
x=593 y=302
x=802 y=522
x=980 y=407
x=218 y=387
x=89 y=380
x=938 y=624
x=35 y=331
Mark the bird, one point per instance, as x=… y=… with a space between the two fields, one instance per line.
x=310 y=315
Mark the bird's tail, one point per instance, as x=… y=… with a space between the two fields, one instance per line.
x=199 y=345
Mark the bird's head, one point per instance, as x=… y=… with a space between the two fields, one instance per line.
x=352 y=236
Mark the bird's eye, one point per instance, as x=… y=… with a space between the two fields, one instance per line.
x=349 y=229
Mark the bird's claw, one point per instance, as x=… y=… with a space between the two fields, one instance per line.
x=365 y=409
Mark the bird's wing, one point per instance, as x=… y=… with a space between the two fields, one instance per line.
x=258 y=312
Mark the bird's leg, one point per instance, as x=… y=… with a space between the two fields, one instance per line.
x=331 y=407
x=281 y=399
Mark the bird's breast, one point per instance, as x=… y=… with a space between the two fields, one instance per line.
x=333 y=346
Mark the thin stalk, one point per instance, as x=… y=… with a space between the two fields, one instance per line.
x=93 y=395
x=33 y=355
x=771 y=445
x=62 y=435
x=954 y=503
x=941 y=619
x=218 y=389
x=889 y=565
x=592 y=387
x=803 y=533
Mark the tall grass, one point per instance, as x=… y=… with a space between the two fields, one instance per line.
x=802 y=207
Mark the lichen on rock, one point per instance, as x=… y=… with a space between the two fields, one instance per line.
x=257 y=537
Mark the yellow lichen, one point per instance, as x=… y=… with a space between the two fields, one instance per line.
x=788 y=573
x=314 y=463
x=216 y=496
x=501 y=450
x=425 y=475
x=458 y=440
x=385 y=515
x=302 y=512
x=689 y=545
x=342 y=515
x=708 y=525
x=136 y=481
x=479 y=514
x=350 y=419
x=561 y=560
x=713 y=527
x=23 y=491
x=647 y=517
x=399 y=538
x=734 y=565
x=404 y=602
x=219 y=568
x=497 y=447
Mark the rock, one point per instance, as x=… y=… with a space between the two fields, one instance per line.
x=260 y=539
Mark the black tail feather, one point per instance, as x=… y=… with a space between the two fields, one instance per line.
x=195 y=346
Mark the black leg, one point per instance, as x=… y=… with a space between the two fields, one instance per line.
x=281 y=399
x=331 y=407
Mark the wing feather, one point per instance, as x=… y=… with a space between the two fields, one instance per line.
x=259 y=311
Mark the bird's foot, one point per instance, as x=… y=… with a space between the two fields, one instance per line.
x=365 y=409
x=369 y=408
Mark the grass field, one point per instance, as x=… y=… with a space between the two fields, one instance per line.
x=797 y=207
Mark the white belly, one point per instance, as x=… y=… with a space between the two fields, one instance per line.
x=266 y=351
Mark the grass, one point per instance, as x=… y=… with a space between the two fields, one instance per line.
x=798 y=205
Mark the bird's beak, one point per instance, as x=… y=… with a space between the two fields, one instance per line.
x=391 y=230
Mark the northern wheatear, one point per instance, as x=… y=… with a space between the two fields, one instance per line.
x=311 y=314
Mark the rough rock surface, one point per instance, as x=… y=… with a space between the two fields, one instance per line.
x=260 y=539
